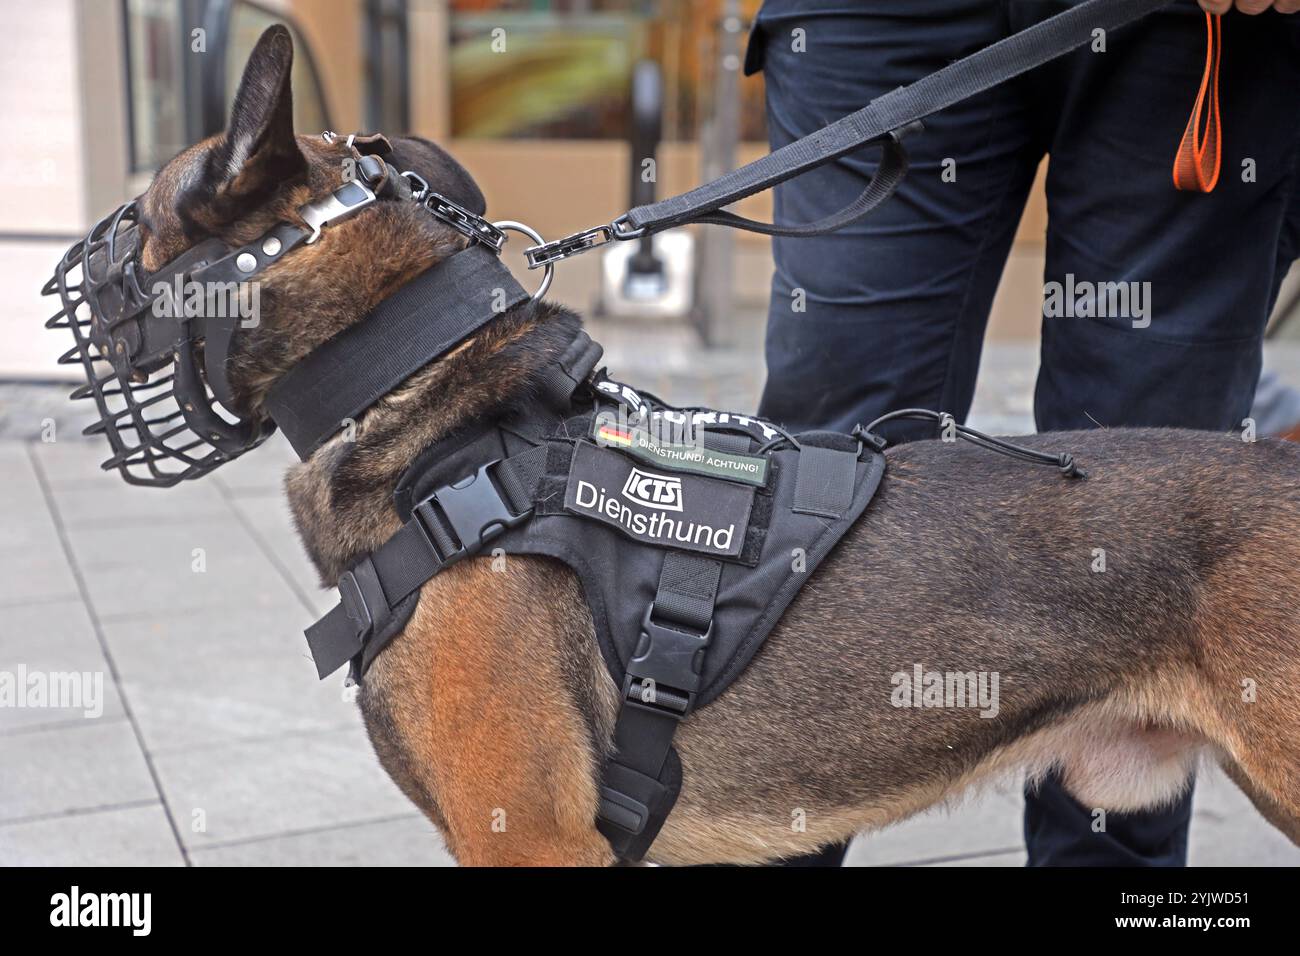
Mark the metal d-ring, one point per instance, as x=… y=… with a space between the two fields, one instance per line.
x=533 y=234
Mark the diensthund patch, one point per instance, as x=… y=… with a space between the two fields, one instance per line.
x=657 y=507
x=691 y=457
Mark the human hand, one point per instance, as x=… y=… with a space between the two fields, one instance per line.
x=1250 y=7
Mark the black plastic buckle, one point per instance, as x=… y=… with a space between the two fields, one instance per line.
x=474 y=508
x=354 y=604
x=869 y=439
x=666 y=668
x=619 y=810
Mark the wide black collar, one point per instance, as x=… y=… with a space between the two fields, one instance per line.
x=420 y=322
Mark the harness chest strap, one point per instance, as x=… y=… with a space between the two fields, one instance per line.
x=453 y=523
x=641 y=781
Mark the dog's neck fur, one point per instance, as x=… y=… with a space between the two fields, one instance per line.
x=342 y=496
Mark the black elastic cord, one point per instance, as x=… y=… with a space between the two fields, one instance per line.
x=1064 y=461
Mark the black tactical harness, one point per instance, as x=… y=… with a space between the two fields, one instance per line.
x=691 y=530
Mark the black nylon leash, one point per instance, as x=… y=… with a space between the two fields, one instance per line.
x=882 y=122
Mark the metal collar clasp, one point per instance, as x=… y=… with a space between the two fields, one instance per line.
x=339 y=204
x=471 y=224
x=549 y=253
x=465 y=221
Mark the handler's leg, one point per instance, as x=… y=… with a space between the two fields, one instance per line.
x=1200 y=272
x=890 y=312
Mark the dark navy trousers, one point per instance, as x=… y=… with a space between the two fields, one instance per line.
x=891 y=312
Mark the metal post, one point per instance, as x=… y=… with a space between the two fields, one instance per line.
x=388 y=83
x=715 y=273
x=644 y=133
x=203 y=76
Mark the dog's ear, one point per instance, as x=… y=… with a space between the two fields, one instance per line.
x=258 y=152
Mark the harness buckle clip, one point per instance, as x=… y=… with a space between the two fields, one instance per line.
x=475 y=509
x=666 y=669
x=355 y=606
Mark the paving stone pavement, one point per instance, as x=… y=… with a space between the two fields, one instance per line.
x=214 y=744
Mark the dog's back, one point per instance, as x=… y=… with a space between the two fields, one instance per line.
x=1119 y=622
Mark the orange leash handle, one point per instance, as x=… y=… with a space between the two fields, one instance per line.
x=1196 y=167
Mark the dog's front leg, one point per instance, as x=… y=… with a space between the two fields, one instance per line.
x=514 y=790
x=474 y=710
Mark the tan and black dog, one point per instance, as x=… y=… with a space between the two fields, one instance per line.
x=495 y=699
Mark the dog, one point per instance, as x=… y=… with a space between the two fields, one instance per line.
x=1136 y=623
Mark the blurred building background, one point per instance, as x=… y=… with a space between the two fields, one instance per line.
x=534 y=97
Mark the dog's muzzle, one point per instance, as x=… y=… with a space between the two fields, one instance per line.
x=154 y=348
x=154 y=363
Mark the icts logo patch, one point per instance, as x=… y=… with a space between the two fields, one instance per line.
x=709 y=515
x=657 y=491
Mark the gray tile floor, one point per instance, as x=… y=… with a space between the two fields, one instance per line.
x=216 y=745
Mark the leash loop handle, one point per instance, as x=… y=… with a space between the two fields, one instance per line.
x=1196 y=165
x=893 y=167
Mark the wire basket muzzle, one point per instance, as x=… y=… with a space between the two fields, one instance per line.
x=142 y=364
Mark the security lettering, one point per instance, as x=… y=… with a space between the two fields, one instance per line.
x=657 y=418
x=674 y=511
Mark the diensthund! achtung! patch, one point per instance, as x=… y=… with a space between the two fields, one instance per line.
x=686 y=453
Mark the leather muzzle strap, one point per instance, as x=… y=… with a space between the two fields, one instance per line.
x=420 y=322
